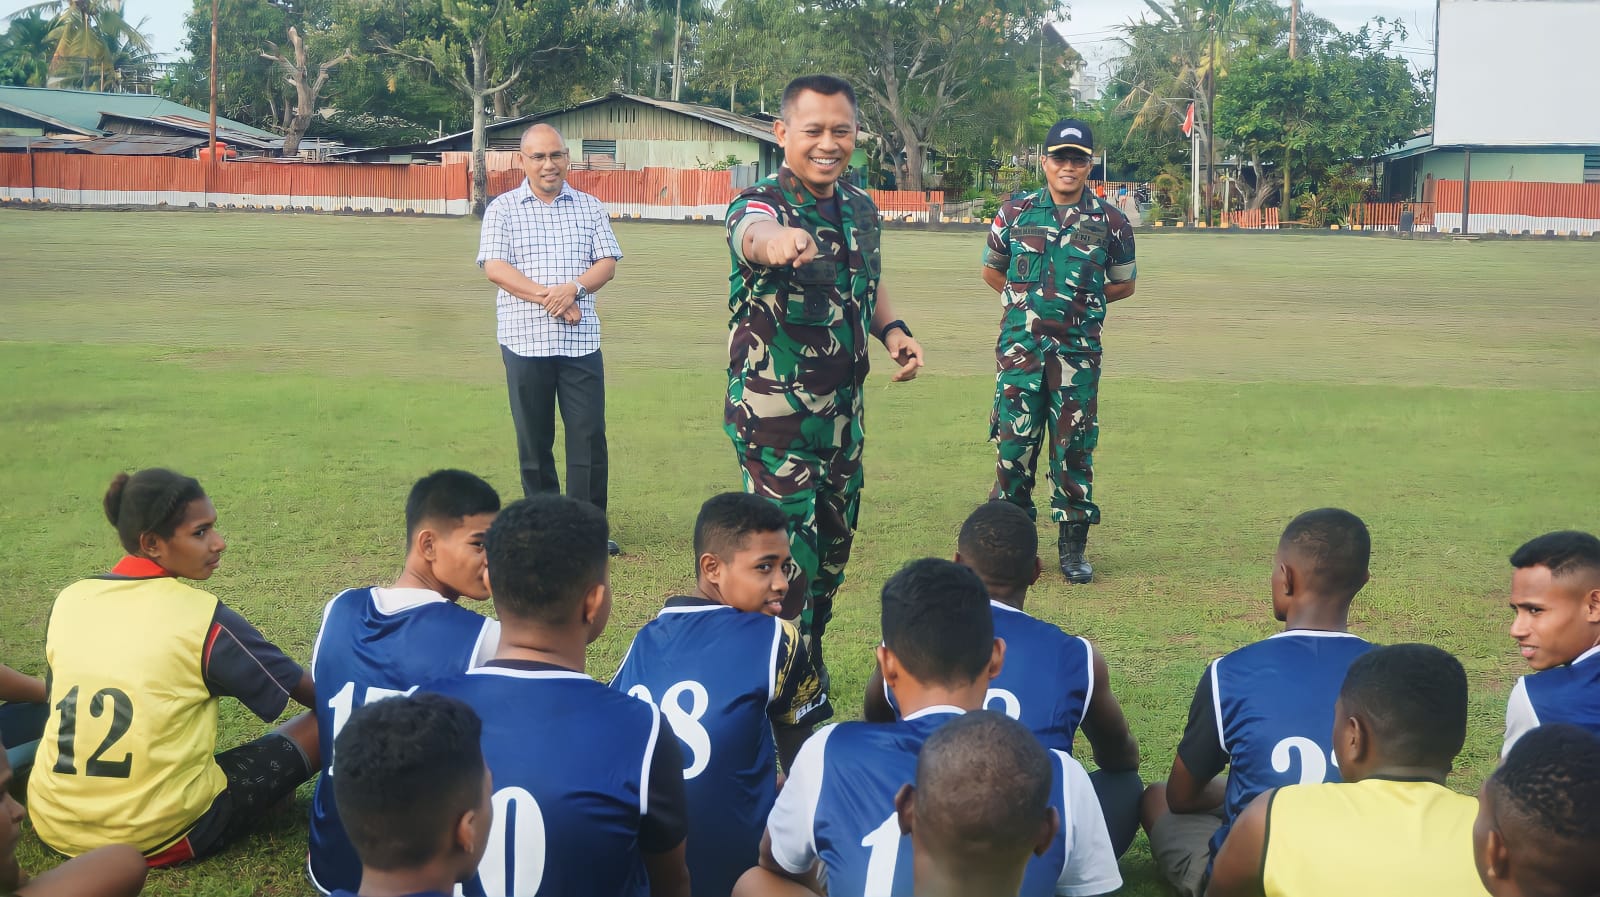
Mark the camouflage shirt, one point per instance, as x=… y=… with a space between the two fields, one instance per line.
x=797 y=342
x=1057 y=261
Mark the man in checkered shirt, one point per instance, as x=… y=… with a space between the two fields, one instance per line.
x=549 y=248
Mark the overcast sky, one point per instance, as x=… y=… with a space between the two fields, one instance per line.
x=1091 y=28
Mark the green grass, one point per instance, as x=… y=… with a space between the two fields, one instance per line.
x=307 y=369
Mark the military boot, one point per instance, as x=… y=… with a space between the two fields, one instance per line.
x=1074 y=540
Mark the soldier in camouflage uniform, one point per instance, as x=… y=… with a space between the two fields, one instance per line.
x=805 y=296
x=1056 y=256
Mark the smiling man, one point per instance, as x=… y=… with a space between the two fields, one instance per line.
x=549 y=249
x=806 y=295
x=1057 y=257
x=1555 y=595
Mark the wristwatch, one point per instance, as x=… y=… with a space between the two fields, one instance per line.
x=896 y=324
x=583 y=291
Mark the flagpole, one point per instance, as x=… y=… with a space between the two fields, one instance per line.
x=1194 y=168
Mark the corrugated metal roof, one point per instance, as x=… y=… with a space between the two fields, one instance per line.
x=200 y=126
x=81 y=110
x=1413 y=147
x=115 y=145
x=733 y=121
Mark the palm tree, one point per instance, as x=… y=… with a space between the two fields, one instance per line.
x=25 y=50
x=87 y=35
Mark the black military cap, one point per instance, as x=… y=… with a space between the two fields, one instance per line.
x=1070 y=133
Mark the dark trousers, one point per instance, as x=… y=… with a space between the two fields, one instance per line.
x=578 y=385
x=1119 y=793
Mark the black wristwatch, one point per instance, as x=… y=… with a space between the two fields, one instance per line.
x=896 y=324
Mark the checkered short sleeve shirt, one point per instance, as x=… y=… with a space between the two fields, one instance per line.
x=552 y=243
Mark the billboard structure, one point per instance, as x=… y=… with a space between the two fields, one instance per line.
x=1516 y=73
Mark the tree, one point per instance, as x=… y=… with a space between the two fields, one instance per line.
x=917 y=60
x=297 y=73
x=85 y=35
x=25 y=50
x=246 y=88
x=1343 y=98
x=759 y=45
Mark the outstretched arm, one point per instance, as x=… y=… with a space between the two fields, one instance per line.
x=15 y=686
x=115 y=871
x=1106 y=727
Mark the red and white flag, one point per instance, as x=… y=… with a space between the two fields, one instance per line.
x=1188 y=121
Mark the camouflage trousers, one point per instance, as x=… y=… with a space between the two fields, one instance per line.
x=1040 y=391
x=820 y=493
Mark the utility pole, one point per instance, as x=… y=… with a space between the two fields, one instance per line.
x=1211 y=114
x=677 y=65
x=211 y=164
x=1294 y=21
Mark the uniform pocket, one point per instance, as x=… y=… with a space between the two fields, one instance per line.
x=810 y=299
x=1025 y=267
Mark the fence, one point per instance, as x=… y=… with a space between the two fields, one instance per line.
x=1386 y=215
x=673 y=194
x=1512 y=207
x=1255 y=219
x=161 y=181
x=658 y=193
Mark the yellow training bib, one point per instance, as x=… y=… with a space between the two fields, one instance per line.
x=126 y=757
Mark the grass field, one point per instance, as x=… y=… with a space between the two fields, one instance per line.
x=307 y=369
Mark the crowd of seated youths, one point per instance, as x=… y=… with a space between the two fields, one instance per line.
x=463 y=754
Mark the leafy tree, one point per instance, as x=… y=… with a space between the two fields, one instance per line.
x=1343 y=98
x=915 y=61
x=25 y=50
x=87 y=37
x=758 y=45
x=247 y=91
x=467 y=52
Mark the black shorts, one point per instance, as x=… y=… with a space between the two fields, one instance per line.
x=259 y=774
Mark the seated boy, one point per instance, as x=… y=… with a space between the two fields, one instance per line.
x=1262 y=711
x=591 y=780
x=1053 y=682
x=1555 y=593
x=1391 y=828
x=836 y=819
x=1537 y=826
x=114 y=871
x=735 y=681
x=379 y=642
x=414 y=795
x=980 y=809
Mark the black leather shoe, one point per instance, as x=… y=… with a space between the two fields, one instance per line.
x=613 y=548
x=1074 y=541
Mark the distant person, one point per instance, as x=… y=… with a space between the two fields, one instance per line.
x=735 y=678
x=138 y=663
x=22 y=716
x=415 y=795
x=1058 y=257
x=115 y=870
x=980 y=809
x=806 y=300
x=1391 y=828
x=590 y=778
x=835 y=820
x=1262 y=711
x=378 y=642
x=1053 y=682
x=1537 y=827
x=1555 y=594
x=549 y=249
